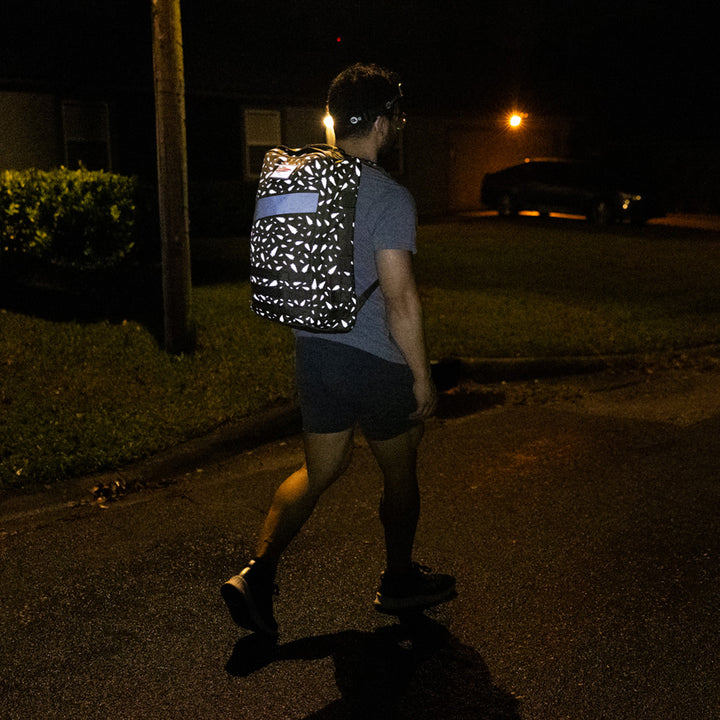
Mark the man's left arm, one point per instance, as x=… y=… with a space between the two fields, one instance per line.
x=405 y=321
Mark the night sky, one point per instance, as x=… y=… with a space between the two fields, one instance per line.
x=634 y=66
x=648 y=63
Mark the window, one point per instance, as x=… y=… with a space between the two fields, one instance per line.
x=263 y=130
x=86 y=135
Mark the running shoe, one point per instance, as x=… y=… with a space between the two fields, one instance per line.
x=249 y=598
x=418 y=589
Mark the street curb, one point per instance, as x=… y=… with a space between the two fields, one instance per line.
x=160 y=469
x=284 y=421
x=449 y=372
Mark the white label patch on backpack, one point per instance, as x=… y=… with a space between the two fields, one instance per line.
x=301 y=242
x=283 y=171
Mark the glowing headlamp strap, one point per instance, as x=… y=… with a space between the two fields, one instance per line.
x=372 y=114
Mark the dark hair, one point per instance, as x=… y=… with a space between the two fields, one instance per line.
x=358 y=95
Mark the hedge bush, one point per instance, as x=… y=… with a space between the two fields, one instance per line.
x=78 y=219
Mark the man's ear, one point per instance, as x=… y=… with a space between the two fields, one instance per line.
x=380 y=124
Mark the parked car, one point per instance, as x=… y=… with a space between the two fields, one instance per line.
x=604 y=195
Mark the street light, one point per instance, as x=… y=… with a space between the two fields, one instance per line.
x=516 y=119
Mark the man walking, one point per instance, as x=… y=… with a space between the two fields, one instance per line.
x=376 y=377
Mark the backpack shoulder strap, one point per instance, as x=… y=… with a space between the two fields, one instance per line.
x=362 y=299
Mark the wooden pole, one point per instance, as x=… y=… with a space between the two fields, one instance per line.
x=172 y=174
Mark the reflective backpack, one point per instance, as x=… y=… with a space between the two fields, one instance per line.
x=301 y=242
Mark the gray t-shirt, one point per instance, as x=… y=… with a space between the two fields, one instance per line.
x=385 y=219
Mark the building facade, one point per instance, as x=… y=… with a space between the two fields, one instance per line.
x=441 y=159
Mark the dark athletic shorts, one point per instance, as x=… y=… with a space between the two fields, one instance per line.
x=340 y=387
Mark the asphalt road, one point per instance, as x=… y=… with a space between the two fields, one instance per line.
x=579 y=516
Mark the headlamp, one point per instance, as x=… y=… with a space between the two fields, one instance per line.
x=369 y=115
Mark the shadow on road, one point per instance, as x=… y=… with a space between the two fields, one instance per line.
x=414 y=669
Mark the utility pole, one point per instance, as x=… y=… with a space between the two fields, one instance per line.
x=172 y=173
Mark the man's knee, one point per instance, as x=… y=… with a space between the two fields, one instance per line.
x=397 y=457
x=327 y=457
x=346 y=459
x=416 y=434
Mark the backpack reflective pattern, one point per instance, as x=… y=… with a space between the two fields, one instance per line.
x=301 y=242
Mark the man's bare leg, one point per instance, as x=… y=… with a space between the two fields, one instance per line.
x=404 y=586
x=249 y=595
x=327 y=456
x=400 y=504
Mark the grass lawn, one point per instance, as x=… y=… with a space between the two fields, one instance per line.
x=543 y=288
x=81 y=396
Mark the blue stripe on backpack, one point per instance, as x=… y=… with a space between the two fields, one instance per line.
x=290 y=204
